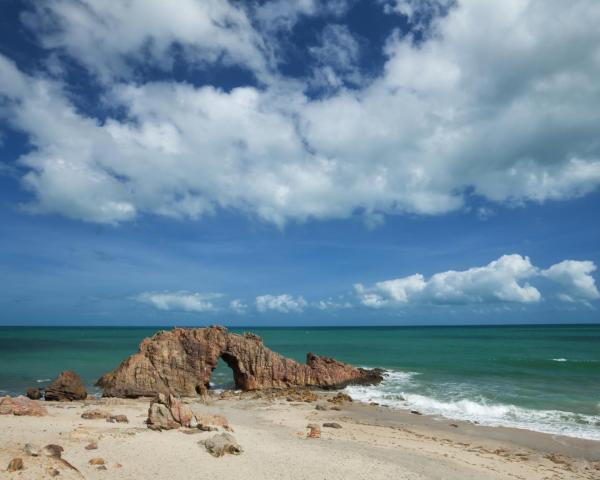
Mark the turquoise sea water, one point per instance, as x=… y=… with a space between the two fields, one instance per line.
x=544 y=378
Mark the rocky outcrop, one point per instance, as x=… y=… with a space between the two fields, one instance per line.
x=21 y=406
x=65 y=388
x=182 y=360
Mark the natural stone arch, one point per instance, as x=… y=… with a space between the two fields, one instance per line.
x=182 y=361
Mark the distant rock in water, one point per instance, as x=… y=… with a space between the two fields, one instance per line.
x=182 y=360
x=65 y=388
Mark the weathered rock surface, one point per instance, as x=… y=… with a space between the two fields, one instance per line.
x=220 y=444
x=314 y=431
x=65 y=388
x=168 y=412
x=21 y=406
x=182 y=360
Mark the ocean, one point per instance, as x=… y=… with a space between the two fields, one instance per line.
x=543 y=378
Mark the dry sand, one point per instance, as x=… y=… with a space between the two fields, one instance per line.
x=373 y=443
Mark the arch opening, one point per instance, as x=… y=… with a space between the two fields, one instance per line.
x=222 y=377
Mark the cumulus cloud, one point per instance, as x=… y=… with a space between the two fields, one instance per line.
x=109 y=38
x=498 y=281
x=181 y=300
x=497 y=99
x=576 y=279
x=280 y=303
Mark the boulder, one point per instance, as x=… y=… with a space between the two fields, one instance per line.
x=160 y=417
x=21 y=406
x=34 y=393
x=220 y=444
x=181 y=361
x=65 y=388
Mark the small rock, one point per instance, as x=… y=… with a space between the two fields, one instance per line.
x=340 y=398
x=209 y=422
x=315 y=431
x=93 y=445
x=416 y=412
x=53 y=472
x=31 y=450
x=220 y=444
x=97 y=461
x=336 y=407
x=332 y=425
x=102 y=467
x=374 y=404
x=454 y=425
x=15 y=465
x=321 y=406
x=34 y=393
x=53 y=451
x=117 y=419
x=95 y=414
x=118 y=465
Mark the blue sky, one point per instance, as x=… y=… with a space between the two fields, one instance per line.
x=287 y=163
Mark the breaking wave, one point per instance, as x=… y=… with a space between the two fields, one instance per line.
x=395 y=392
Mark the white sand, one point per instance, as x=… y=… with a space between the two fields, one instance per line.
x=273 y=436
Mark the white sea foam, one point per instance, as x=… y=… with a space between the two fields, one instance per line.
x=392 y=393
x=559 y=359
x=42 y=380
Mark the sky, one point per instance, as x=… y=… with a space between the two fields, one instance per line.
x=283 y=163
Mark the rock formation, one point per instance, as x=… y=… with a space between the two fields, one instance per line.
x=21 y=406
x=65 y=388
x=182 y=360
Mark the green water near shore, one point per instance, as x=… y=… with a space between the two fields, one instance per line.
x=544 y=378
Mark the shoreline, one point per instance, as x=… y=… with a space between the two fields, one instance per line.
x=374 y=442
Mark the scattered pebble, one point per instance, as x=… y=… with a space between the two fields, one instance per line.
x=97 y=461
x=93 y=445
x=332 y=425
x=15 y=465
x=31 y=450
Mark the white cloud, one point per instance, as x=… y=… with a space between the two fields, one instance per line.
x=238 y=306
x=499 y=99
x=575 y=277
x=498 y=281
x=330 y=304
x=276 y=15
x=337 y=57
x=280 y=303
x=106 y=37
x=181 y=300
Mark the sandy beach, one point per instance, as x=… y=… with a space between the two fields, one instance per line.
x=373 y=442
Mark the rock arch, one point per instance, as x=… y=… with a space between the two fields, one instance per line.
x=182 y=360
